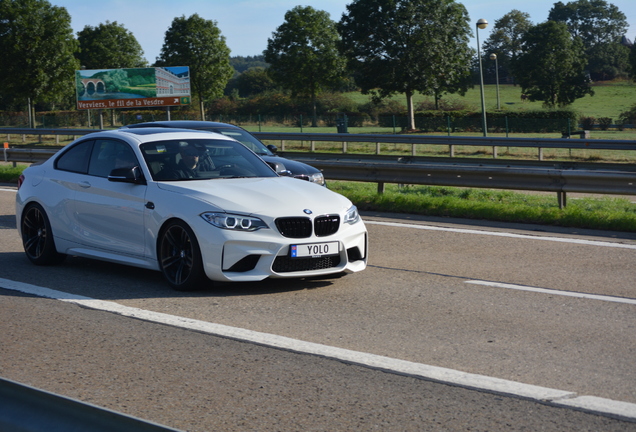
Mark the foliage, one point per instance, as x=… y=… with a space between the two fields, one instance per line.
x=38 y=53
x=241 y=64
x=629 y=116
x=632 y=62
x=303 y=53
x=407 y=46
x=254 y=81
x=604 y=123
x=109 y=46
x=600 y=26
x=505 y=40
x=608 y=61
x=587 y=122
x=594 y=21
x=198 y=43
x=552 y=67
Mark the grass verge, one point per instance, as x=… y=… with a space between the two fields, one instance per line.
x=10 y=174
x=605 y=213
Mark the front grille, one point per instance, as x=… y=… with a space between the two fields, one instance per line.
x=294 y=227
x=326 y=225
x=285 y=264
x=301 y=227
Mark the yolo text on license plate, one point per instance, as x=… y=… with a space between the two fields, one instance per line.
x=314 y=249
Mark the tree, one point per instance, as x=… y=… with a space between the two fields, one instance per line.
x=38 y=53
x=303 y=54
x=600 y=26
x=254 y=81
x=198 y=43
x=407 y=46
x=608 y=61
x=505 y=39
x=552 y=66
x=109 y=46
x=632 y=61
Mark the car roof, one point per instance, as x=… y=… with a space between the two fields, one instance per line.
x=159 y=133
x=184 y=124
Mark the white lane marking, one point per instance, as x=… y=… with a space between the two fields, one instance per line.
x=504 y=234
x=554 y=292
x=8 y=190
x=556 y=397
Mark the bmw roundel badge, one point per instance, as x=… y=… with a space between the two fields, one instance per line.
x=307 y=211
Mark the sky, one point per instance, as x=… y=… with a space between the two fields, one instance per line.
x=247 y=24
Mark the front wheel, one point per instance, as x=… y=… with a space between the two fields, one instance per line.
x=37 y=237
x=180 y=257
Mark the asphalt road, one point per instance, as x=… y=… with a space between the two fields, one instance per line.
x=441 y=293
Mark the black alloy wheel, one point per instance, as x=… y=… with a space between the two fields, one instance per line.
x=37 y=237
x=180 y=257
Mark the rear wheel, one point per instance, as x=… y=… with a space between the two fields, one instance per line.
x=180 y=257
x=37 y=237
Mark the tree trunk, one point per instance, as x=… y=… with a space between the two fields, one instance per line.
x=314 y=115
x=202 y=109
x=409 y=107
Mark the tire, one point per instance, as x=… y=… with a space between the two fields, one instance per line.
x=179 y=257
x=37 y=237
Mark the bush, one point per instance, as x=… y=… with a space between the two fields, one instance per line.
x=629 y=116
x=604 y=123
x=588 y=122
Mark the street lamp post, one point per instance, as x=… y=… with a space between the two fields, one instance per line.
x=482 y=24
x=493 y=56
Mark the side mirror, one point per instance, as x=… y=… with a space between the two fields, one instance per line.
x=276 y=166
x=127 y=175
x=272 y=148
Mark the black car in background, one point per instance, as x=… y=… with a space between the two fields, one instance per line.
x=267 y=153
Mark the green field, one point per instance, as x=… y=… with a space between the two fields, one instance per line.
x=610 y=99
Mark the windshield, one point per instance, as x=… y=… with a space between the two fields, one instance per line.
x=243 y=137
x=202 y=159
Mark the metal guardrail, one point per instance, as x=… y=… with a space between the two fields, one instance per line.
x=596 y=144
x=27 y=409
x=559 y=177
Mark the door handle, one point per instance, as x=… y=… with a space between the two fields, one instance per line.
x=84 y=184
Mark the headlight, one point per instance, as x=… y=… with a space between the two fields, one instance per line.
x=234 y=221
x=318 y=178
x=352 y=216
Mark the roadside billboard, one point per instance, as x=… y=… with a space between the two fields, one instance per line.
x=132 y=88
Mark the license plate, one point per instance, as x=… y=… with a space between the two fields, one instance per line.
x=314 y=250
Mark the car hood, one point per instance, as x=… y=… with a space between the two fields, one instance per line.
x=272 y=196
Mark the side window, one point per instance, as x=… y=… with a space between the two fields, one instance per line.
x=75 y=159
x=108 y=155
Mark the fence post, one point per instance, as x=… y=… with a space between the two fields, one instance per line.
x=506 y=126
x=377 y=148
x=301 y=123
x=562 y=199
x=448 y=124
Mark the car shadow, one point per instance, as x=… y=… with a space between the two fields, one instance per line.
x=102 y=280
